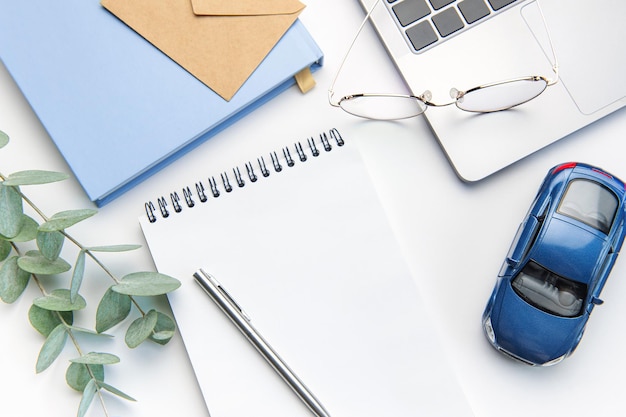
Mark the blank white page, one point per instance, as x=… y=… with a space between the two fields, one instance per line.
x=308 y=254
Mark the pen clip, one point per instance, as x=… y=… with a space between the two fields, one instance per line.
x=226 y=295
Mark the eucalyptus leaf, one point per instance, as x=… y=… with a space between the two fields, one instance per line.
x=51 y=348
x=13 y=280
x=59 y=300
x=112 y=310
x=162 y=337
x=65 y=219
x=78 y=375
x=87 y=331
x=44 y=321
x=88 y=393
x=164 y=329
x=140 y=329
x=11 y=211
x=34 y=177
x=4 y=139
x=5 y=250
x=113 y=248
x=50 y=244
x=115 y=391
x=28 y=231
x=96 y=358
x=35 y=263
x=77 y=275
x=146 y=284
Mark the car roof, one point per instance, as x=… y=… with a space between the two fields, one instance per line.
x=568 y=249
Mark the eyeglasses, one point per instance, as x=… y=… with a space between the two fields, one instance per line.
x=486 y=98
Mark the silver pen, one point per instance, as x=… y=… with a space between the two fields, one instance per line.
x=236 y=314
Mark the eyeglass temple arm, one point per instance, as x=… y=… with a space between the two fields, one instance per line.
x=331 y=91
x=554 y=61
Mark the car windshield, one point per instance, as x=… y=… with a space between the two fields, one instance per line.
x=549 y=292
x=589 y=202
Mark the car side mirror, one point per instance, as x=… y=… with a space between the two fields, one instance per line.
x=597 y=301
x=512 y=262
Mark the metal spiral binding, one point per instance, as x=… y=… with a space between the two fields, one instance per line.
x=223 y=183
x=188 y=197
x=238 y=177
x=264 y=171
x=300 y=151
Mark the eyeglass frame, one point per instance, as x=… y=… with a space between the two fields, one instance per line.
x=426 y=96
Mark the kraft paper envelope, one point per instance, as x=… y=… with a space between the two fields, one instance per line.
x=220 y=42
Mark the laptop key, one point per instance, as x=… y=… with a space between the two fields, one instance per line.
x=428 y=22
x=473 y=10
x=422 y=35
x=447 y=22
x=439 y=4
x=498 y=4
x=410 y=11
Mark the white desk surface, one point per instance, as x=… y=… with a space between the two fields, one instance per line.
x=454 y=235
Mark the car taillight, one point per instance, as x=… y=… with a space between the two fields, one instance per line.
x=561 y=167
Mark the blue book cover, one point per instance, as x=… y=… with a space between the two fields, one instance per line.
x=117 y=108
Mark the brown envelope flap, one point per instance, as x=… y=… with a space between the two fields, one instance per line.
x=245 y=7
x=221 y=51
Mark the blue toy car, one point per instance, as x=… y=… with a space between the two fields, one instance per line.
x=557 y=265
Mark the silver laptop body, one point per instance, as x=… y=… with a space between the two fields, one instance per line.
x=588 y=38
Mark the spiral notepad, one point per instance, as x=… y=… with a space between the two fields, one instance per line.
x=300 y=240
x=226 y=182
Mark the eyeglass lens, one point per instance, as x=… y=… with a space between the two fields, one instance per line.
x=499 y=96
x=383 y=107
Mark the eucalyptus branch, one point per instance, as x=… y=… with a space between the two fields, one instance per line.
x=69 y=331
x=52 y=314
x=79 y=245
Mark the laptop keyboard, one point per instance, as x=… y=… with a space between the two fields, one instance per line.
x=428 y=22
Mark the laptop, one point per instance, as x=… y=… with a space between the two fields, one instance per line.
x=507 y=39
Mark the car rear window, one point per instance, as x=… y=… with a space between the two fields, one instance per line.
x=590 y=203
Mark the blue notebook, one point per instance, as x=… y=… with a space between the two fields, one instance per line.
x=117 y=108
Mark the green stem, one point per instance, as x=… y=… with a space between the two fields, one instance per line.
x=69 y=331
x=79 y=245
